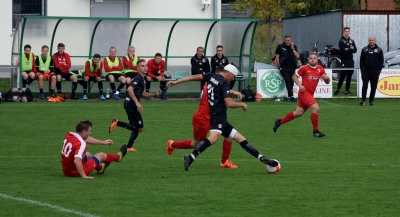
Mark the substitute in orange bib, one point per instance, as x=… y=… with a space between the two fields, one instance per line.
x=130 y=65
x=155 y=72
x=62 y=64
x=310 y=75
x=113 y=67
x=77 y=162
x=28 y=66
x=92 y=72
x=45 y=71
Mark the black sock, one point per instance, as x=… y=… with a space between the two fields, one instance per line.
x=250 y=149
x=100 y=84
x=51 y=92
x=202 y=146
x=163 y=84
x=24 y=82
x=58 y=85
x=132 y=138
x=30 y=80
x=85 y=84
x=112 y=85
x=74 y=84
x=148 y=84
x=126 y=126
x=120 y=86
x=41 y=91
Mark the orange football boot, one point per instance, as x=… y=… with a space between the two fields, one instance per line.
x=229 y=164
x=169 y=147
x=131 y=149
x=113 y=125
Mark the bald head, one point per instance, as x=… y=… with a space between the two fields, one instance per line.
x=372 y=41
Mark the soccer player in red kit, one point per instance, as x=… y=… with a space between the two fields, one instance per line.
x=77 y=162
x=155 y=71
x=201 y=125
x=310 y=74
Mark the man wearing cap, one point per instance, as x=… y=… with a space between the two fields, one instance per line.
x=219 y=99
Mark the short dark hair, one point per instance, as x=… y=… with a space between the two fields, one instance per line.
x=219 y=69
x=157 y=55
x=61 y=45
x=83 y=126
x=27 y=46
x=199 y=48
x=45 y=46
x=140 y=61
x=287 y=36
x=220 y=46
x=346 y=28
x=96 y=56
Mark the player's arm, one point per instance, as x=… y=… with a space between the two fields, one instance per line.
x=325 y=77
x=68 y=60
x=100 y=69
x=232 y=104
x=38 y=65
x=295 y=78
x=197 y=77
x=119 y=67
x=94 y=141
x=149 y=73
x=106 y=66
x=87 y=68
x=79 y=167
x=342 y=47
x=295 y=53
x=162 y=69
x=236 y=93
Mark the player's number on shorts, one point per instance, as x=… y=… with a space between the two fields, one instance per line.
x=210 y=90
x=66 y=149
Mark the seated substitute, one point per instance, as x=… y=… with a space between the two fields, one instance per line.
x=130 y=65
x=92 y=72
x=62 y=64
x=77 y=162
x=155 y=72
x=45 y=71
x=28 y=66
x=113 y=68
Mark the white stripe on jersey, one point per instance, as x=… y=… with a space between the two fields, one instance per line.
x=82 y=147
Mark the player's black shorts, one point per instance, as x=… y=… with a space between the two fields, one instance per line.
x=130 y=75
x=65 y=75
x=221 y=125
x=93 y=79
x=134 y=117
x=116 y=76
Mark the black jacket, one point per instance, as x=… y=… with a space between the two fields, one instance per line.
x=371 y=58
x=216 y=62
x=283 y=51
x=346 y=43
x=200 y=63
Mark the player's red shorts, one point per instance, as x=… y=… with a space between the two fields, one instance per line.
x=201 y=126
x=88 y=167
x=306 y=100
x=46 y=76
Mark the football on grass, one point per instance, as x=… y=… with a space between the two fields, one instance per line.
x=273 y=170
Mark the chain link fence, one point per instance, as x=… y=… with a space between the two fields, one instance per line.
x=267 y=38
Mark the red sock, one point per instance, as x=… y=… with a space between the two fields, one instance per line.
x=314 y=121
x=226 y=150
x=184 y=144
x=287 y=118
x=111 y=158
x=99 y=167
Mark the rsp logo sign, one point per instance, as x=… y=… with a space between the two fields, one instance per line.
x=272 y=83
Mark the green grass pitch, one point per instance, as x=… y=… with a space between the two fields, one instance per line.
x=353 y=171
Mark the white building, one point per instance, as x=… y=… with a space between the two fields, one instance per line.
x=11 y=12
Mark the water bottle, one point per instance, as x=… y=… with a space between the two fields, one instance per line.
x=277 y=100
x=108 y=93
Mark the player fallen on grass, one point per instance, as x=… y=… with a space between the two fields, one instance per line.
x=133 y=107
x=219 y=98
x=310 y=74
x=201 y=123
x=77 y=162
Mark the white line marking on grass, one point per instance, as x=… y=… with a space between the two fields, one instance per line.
x=59 y=208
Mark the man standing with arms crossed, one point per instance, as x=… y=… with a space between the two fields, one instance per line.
x=286 y=58
x=347 y=47
x=371 y=63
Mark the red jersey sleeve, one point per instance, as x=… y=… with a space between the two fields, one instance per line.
x=68 y=61
x=106 y=67
x=149 y=69
x=162 y=70
x=33 y=63
x=100 y=70
x=301 y=71
x=125 y=62
x=55 y=61
x=87 y=68
x=323 y=72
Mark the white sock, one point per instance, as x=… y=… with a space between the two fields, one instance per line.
x=117 y=92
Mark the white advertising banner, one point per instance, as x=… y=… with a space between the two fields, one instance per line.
x=270 y=83
x=388 y=84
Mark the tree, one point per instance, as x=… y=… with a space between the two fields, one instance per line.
x=397 y=4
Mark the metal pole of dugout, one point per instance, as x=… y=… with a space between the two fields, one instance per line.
x=11 y=74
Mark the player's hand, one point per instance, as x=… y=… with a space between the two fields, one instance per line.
x=107 y=142
x=351 y=47
x=238 y=94
x=325 y=78
x=159 y=91
x=88 y=177
x=139 y=107
x=302 y=88
x=244 y=107
x=170 y=83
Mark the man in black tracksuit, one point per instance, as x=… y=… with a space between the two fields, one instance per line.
x=371 y=63
x=220 y=60
x=347 y=47
x=286 y=57
x=200 y=64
